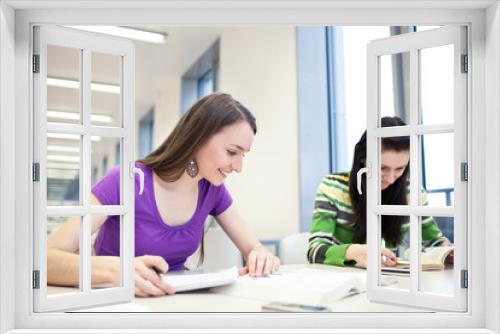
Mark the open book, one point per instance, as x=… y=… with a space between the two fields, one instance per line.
x=304 y=286
x=194 y=280
x=432 y=258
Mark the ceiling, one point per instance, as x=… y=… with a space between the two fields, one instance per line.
x=153 y=63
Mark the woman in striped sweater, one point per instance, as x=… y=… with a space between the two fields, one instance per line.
x=338 y=231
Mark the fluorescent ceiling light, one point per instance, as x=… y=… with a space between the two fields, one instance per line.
x=72 y=116
x=105 y=88
x=62 y=173
x=63 y=158
x=63 y=83
x=126 y=32
x=59 y=165
x=63 y=136
x=73 y=84
x=69 y=136
x=101 y=118
x=60 y=148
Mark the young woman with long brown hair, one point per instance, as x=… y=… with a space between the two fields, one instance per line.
x=338 y=231
x=183 y=184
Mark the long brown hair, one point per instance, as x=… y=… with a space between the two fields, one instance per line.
x=204 y=119
x=395 y=194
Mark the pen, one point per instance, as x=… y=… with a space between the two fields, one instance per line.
x=158 y=272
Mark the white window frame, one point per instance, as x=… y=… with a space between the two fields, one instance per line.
x=483 y=17
x=87 y=43
x=412 y=44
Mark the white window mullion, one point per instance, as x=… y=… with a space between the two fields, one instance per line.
x=40 y=157
x=85 y=231
x=415 y=230
x=373 y=176
x=107 y=132
x=85 y=254
x=402 y=210
x=414 y=129
x=102 y=210
x=74 y=129
x=460 y=156
x=127 y=245
x=415 y=241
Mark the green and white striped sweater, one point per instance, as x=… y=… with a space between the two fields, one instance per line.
x=332 y=229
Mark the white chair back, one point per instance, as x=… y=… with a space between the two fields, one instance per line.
x=219 y=252
x=293 y=248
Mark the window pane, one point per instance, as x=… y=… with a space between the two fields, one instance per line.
x=106 y=90
x=394 y=170
x=104 y=157
x=106 y=242
x=437 y=169
x=437 y=85
x=395 y=239
x=63 y=85
x=395 y=86
x=436 y=269
x=54 y=271
x=63 y=169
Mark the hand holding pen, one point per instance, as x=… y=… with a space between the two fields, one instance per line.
x=148 y=276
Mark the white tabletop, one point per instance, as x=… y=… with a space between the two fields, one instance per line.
x=208 y=301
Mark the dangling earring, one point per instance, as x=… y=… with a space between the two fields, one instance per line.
x=192 y=168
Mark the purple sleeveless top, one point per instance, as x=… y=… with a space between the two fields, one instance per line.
x=152 y=235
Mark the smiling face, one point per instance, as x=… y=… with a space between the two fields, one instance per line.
x=224 y=152
x=393 y=164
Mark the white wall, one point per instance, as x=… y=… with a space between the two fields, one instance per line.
x=257 y=67
x=167 y=108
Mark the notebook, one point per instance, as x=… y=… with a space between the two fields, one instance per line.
x=197 y=279
x=306 y=286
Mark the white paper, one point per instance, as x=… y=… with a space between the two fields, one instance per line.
x=186 y=281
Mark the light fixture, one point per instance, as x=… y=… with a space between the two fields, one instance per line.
x=105 y=88
x=59 y=165
x=60 y=148
x=63 y=158
x=73 y=84
x=62 y=136
x=101 y=118
x=72 y=116
x=70 y=136
x=126 y=32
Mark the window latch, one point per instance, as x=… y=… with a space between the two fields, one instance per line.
x=364 y=170
x=134 y=170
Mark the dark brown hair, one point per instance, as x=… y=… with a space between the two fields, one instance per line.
x=204 y=119
x=395 y=194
